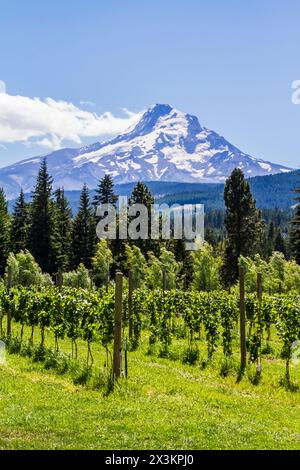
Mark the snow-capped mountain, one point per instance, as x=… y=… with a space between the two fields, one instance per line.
x=165 y=145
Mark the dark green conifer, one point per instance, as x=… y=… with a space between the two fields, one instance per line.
x=63 y=230
x=295 y=230
x=42 y=221
x=243 y=223
x=104 y=193
x=19 y=225
x=4 y=232
x=84 y=232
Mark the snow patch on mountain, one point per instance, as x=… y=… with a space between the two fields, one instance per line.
x=165 y=145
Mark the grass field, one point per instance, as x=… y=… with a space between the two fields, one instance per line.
x=163 y=405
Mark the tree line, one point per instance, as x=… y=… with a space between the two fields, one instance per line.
x=61 y=242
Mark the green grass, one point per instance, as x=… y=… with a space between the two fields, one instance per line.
x=163 y=405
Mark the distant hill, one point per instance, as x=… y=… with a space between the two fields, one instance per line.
x=272 y=191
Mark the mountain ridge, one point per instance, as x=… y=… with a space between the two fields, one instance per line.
x=164 y=145
x=270 y=192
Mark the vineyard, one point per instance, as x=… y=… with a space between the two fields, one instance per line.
x=160 y=317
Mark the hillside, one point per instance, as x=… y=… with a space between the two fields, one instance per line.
x=274 y=191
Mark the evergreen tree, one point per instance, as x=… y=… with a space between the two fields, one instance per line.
x=271 y=233
x=279 y=243
x=243 y=224
x=185 y=261
x=42 y=221
x=62 y=238
x=270 y=239
x=295 y=231
x=211 y=236
x=136 y=263
x=142 y=195
x=104 y=193
x=206 y=269
x=19 y=225
x=84 y=232
x=259 y=242
x=101 y=263
x=4 y=232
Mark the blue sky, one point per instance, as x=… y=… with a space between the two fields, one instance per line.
x=232 y=63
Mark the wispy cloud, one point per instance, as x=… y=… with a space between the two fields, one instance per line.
x=87 y=103
x=51 y=123
x=2 y=86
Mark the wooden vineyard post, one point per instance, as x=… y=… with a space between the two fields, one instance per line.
x=242 y=319
x=259 y=298
x=118 y=327
x=126 y=359
x=164 y=280
x=107 y=281
x=60 y=279
x=9 y=286
x=130 y=291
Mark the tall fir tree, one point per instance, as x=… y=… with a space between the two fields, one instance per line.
x=104 y=193
x=142 y=195
x=84 y=232
x=62 y=237
x=185 y=261
x=279 y=243
x=271 y=238
x=19 y=225
x=295 y=230
x=42 y=221
x=4 y=231
x=243 y=224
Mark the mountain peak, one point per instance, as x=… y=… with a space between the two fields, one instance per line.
x=161 y=109
x=150 y=118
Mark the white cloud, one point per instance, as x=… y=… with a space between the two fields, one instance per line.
x=2 y=86
x=87 y=103
x=50 y=123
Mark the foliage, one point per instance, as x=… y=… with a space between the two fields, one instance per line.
x=42 y=221
x=278 y=271
x=62 y=236
x=206 y=269
x=153 y=272
x=136 y=263
x=19 y=225
x=170 y=265
x=25 y=271
x=79 y=278
x=295 y=230
x=243 y=224
x=84 y=232
x=101 y=263
x=4 y=231
x=104 y=193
